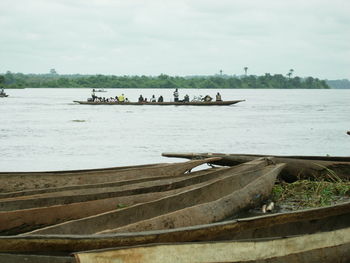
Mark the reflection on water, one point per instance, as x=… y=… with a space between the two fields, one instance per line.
x=42 y=129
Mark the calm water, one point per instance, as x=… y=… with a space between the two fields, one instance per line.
x=42 y=129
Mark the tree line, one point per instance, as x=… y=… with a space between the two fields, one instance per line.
x=54 y=80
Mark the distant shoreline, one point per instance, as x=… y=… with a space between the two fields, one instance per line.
x=267 y=81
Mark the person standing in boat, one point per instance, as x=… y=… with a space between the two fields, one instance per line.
x=176 y=95
x=93 y=95
x=141 y=98
x=218 y=97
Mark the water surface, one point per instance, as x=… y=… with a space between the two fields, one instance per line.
x=42 y=129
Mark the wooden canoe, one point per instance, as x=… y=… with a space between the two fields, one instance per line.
x=103 y=192
x=213 y=211
x=298 y=167
x=332 y=246
x=191 y=103
x=21 y=181
x=232 y=180
x=25 y=220
x=272 y=225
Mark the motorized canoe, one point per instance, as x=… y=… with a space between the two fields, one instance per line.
x=3 y=95
x=257 y=177
x=20 y=181
x=332 y=246
x=190 y=103
x=298 y=167
x=300 y=222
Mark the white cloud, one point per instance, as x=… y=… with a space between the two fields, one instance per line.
x=182 y=37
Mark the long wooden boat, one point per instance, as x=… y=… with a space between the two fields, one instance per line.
x=191 y=103
x=332 y=246
x=103 y=192
x=257 y=177
x=209 y=212
x=25 y=220
x=301 y=222
x=21 y=181
x=298 y=167
x=3 y=95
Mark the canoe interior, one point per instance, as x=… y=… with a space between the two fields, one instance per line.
x=207 y=191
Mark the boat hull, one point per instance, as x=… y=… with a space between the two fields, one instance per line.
x=298 y=167
x=193 y=103
x=332 y=246
x=283 y=224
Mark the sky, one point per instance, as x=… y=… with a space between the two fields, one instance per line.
x=176 y=37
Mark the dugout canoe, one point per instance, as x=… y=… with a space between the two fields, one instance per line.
x=301 y=222
x=25 y=220
x=191 y=103
x=298 y=167
x=209 y=212
x=21 y=181
x=256 y=177
x=103 y=192
x=332 y=246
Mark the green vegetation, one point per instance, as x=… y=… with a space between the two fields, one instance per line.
x=267 y=81
x=309 y=194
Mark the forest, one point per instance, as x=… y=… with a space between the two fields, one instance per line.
x=54 y=80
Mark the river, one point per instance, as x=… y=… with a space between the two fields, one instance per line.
x=42 y=129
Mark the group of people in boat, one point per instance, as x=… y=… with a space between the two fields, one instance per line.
x=152 y=99
x=186 y=98
x=141 y=99
x=120 y=98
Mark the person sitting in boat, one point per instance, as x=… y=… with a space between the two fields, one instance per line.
x=176 y=95
x=126 y=100
x=160 y=99
x=121 y=98
x=141 y=98
x=207 y=98
x=186 y=98
x=218 y=97
x=153 y=99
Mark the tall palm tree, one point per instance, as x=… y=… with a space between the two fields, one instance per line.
x=220 y=71
x=245 y=70
x=290 y=73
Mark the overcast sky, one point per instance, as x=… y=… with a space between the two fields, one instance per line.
x=176 y=37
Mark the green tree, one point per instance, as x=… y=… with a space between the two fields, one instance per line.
x=245 y=70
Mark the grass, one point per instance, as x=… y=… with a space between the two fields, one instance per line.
x=309 y=194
